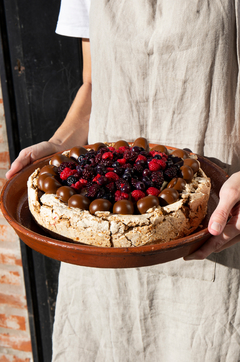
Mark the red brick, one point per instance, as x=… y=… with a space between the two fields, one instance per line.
x=13 y=300
x=8 y=358
x=15 y=342
x=15 y=322
x=10 y=257
x=2 y=180
x=7 y=233
x=10 y=277
x=4 y=160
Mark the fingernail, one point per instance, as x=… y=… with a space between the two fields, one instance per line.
x=216 y=226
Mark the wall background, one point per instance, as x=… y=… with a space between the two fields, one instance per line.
x=15 y=341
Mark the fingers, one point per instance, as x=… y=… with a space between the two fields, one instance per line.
x=30 y=154
x=223 y=228
x=23 y=160
x=216 y=243
x=229 y=197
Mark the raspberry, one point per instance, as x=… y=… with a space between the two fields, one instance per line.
x=107 y=156
x=122 y=149
x=137 y=195
x=121 y=161
x=153 y=165
x=96 y=178
x=153 y=191
x=77 y=186
x=66 y=173
x=120 y=195
x=111 y=148
x=83 y=181
x=71 y=165
x=162 y=163
x=141 y=158
x=112 y=176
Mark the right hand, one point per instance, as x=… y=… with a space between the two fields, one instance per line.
x=31 y=154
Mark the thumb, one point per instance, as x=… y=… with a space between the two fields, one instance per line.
x=229 y=196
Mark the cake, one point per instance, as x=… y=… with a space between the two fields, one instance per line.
x=120 y=194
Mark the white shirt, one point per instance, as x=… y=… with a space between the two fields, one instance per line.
x=73 y=19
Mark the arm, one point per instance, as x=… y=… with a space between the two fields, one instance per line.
x=224 y=223
x=74 y=129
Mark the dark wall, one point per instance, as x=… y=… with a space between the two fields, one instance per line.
x=40 y=74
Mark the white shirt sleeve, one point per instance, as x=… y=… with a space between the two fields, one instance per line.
x=73 y=18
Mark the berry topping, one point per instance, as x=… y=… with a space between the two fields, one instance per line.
x=119 y=175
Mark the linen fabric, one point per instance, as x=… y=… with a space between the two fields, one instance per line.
x=168 y=71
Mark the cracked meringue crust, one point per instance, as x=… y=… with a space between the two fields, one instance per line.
x=105 y=229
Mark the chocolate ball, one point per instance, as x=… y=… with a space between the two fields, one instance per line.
x=41 y=178
x=177 y=183
x=57 y=159
x=194 y=164
x=141 y=142
x=147 y=203
x=48 y=169
x=79 y=201
x=75 y=152
x=123 y=207
x=120 y=143
x=187 y=173
x=50 y=185
x=180 y=153
x=168 y=196
x=160 y=148
x=65 y=192
x=97 y=146
x=100 y=205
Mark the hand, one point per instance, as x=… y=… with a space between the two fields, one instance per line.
x=224 y=223
x=30 y=154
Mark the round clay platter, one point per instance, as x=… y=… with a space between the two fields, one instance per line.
x=14 y=205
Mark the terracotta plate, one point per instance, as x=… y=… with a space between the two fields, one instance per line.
x=14 y=206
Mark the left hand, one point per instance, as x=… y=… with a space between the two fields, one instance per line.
x=224 y=223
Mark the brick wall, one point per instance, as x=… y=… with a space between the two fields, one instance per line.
x=15 y=343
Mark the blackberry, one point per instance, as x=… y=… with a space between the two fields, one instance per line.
x=120 y=182
x=157 y=178
x=71 y=165
x=71 y=180
x=98 y=158
x=93 y=190
x=111 y=187
x=134 y=181
x=88 y=173
x=106 y=163
x=101 y=193
x=170 y=173
x=79 y=170
x=138 y=169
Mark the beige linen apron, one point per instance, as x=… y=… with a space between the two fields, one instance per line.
x=166 y=70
